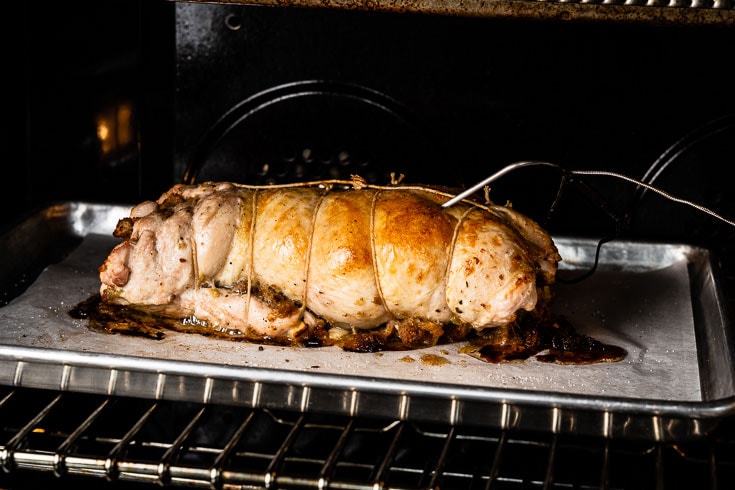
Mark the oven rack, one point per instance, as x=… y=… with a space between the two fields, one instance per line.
x=662 y=12
x=67 y=436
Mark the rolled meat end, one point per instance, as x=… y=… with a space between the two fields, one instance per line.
x=235 y=229
x=155 y=265
x=191 y=253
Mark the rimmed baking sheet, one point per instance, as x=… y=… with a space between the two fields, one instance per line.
x=661 y=302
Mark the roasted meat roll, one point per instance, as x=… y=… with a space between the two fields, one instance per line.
x=330 y=261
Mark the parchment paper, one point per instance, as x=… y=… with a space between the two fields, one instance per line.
x=647 y=313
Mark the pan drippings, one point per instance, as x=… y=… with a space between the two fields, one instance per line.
x=554 y=341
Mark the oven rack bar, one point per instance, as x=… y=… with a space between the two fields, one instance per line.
x=662 y=12
x=192 y=445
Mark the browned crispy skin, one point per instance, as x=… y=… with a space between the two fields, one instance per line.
x=280 y=262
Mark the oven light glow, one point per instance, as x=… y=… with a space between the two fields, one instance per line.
x=115 y=129
x=103 y=133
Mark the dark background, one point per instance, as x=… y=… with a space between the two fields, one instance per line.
x=65 y=63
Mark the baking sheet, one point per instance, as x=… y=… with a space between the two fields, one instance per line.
x=640 y=300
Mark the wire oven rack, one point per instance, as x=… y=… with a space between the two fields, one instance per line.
x=133 y=443
x=692 y=12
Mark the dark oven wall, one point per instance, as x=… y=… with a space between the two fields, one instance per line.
x=84 y=81
x=277 y=94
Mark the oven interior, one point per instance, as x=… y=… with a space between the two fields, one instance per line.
x=114 y=102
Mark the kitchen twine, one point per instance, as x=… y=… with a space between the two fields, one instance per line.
x=517 y=165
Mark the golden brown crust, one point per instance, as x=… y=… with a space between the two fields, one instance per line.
x=387 y=264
